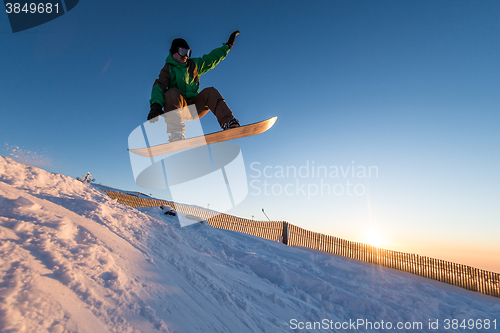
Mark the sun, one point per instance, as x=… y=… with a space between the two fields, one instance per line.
x=374 y=238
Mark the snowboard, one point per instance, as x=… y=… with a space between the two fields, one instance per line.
x=229 y=134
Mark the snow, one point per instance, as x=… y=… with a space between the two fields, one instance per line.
x=74 y=260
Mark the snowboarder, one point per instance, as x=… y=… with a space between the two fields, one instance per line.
x=178 y=86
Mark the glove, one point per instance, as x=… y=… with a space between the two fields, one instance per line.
x=230 y=41
x=156 y=110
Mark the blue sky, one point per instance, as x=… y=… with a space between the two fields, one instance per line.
x=409 y=87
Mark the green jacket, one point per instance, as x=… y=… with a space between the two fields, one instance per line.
x=185 y=77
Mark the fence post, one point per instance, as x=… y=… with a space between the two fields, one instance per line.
x=284 y=234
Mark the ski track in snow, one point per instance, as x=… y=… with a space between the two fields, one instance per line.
x=74 y=260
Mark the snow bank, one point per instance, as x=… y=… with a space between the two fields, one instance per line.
x=73 y=260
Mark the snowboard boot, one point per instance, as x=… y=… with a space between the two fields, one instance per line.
x=233 y=123
x=176 y=136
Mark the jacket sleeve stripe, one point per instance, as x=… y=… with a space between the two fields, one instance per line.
x=160 y=86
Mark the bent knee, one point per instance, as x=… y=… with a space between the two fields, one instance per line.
x=172 y=92
x=173 y=99
x=211 y=91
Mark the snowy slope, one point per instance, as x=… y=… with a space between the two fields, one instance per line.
x=73 y=260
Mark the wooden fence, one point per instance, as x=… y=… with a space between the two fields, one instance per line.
x=268 y=230
x=444 y=271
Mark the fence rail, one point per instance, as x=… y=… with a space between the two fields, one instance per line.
x=444 y=271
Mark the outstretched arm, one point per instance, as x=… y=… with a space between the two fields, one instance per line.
x=209 y=61
x=230 y=42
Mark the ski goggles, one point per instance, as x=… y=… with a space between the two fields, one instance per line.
x=184 y=52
